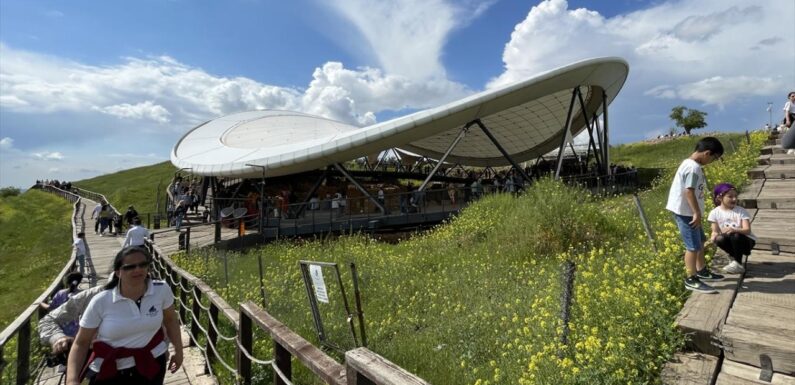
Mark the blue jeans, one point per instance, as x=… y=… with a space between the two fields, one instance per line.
x=694 y=237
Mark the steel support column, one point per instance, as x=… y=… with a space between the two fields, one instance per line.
x=566 y=131
x=350 y=178
x=589 y=126
x=311 y=192
x=441 y=160
x=605 y=144
x=491 y=137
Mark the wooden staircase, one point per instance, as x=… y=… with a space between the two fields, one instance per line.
x=745 y=334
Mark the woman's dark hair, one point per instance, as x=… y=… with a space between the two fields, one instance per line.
x=114 y=280
x=790 y=94
x=72 y=280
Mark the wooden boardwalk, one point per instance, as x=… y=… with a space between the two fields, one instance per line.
x=101 y=251
x=745 y=334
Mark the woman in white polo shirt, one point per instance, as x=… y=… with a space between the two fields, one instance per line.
x=125 y=322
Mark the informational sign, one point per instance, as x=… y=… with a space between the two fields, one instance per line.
x=316 y=272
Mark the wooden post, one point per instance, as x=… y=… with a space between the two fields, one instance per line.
x=247 y=342
x=194 y=323
x=212 y=338
x=217 y=231
x=23 y=353
x=187 y=241
x=283 y=362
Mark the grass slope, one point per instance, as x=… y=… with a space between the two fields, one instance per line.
x=35 y=239
x=136 y=186
x=477 y=301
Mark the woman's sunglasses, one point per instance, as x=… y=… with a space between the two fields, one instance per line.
x=132 y=266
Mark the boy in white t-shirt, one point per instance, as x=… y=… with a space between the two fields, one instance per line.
x=686 y=202
x=80 y=251
x=731 y=227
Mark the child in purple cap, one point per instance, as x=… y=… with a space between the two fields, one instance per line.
x=731 y=227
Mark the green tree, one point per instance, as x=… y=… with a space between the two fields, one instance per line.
x=687 y=118
x=9 y=191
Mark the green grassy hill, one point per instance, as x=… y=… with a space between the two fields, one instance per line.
x=36 y=242
x=136 y=186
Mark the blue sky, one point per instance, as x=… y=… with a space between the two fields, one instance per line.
x=91 y=87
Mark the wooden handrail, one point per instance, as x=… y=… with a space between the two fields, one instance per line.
x=364 y=367
x=314 y=359
x=21 y=325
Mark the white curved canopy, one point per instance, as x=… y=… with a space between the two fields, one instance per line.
x=527 y=118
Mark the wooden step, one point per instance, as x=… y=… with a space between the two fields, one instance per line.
x=735 y=373
x=747 y=197
x=702 y=314
x=762 y=318
x=773 y=149
x=776 y=194
x=775 y=171
x=776 y=159
x=777 y=226
x=689 y=369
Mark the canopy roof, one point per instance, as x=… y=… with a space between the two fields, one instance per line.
x=527 y=118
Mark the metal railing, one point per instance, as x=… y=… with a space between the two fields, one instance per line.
x=28 y=348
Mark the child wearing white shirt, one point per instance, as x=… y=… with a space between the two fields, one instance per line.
x=731 y=227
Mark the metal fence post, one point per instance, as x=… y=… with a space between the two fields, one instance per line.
x=566 y=297
x=646 y=225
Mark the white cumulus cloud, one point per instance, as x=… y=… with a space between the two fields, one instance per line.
x=163 y=90
x=702 y=50
x=6 y=143
x=407 y=37
x=48 y=155
x=145 y=110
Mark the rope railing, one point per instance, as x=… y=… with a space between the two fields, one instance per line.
x=27 y=347
x=189 y=292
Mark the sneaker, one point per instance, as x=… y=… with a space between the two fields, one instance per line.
x=706 y=275
x=694 y=284
x=734 y=268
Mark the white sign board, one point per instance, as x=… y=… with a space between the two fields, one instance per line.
x=317 y=281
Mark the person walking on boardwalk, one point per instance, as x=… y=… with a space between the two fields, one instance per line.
x=80 y=251
x=105 y=215
x=125 y=322
x=136 y=236
x=95 y=216
x=51 y=327
x=130 y=215
x=686 y=202
x=731 y=227
x=72 y=282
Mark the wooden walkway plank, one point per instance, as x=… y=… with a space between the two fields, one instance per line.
x=734 y=373
x=689 y=369
x=762 y=319
x=702 y=315
x=775 y=226
x=747 y=198
x=776 y=194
